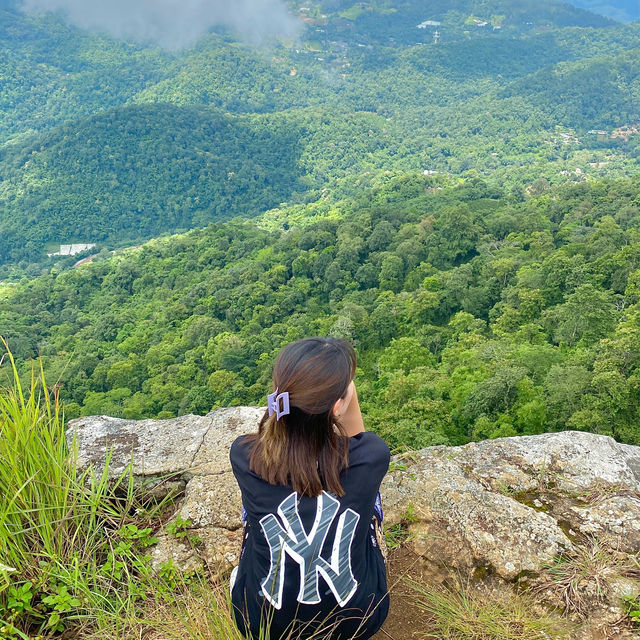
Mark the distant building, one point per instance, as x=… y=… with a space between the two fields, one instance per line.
x=625 y=132
x=428 y=23
x=71 y=249
x=601 y=136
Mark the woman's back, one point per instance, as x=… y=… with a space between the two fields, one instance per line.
x=314 y=560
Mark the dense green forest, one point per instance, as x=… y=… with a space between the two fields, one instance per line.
x=455 y=191
x=476 y=313
x=164 y=167
x=112 y=142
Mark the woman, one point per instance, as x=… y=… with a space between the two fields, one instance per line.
x=311 y=564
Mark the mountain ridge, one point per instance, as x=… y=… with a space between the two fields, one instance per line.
x=477 y=103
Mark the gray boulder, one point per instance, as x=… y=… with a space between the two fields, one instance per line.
x=500 y=509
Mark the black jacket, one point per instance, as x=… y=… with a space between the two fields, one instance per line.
x=309 y=564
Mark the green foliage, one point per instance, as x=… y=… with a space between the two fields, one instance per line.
x=623 y=10
x=53 y=73
x=179 y=528
x=395 y=535
x=523 y=333
x=114 y=143
x=632 y=604
x=497 y=296
x=69 y=547
x=602 y=93
x=170 y=169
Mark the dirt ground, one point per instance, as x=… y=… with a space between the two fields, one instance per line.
x=405 y=621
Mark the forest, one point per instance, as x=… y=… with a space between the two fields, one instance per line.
x=464 y=209
x=110 y=142
x=476 y=313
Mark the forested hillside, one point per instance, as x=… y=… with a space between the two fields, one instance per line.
x=51 y=72
x=475 y=314
x=140 y=170
x=507 y=90
x=394 y=21
x=456 y=191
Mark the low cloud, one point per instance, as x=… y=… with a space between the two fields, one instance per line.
x=174 y=24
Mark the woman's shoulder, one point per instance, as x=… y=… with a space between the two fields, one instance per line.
x=239 y=451
x=370 y=446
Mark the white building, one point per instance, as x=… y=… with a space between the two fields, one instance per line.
x=71 y=249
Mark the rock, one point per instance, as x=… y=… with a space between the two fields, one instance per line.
x=497 y=510
x=225 y=425
x=572 y=462
x=617 y=517
x=159 y=447
x=194 y=449
x=177 y=551
x=217 y=548
x=179 y=447
x=213 y=501
x=465 y=524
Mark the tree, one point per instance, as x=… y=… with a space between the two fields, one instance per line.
x=405 y=354
x=565 y=388
x=392 y=273
x=587 y=315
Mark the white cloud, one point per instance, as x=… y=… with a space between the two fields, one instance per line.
x=174 y=24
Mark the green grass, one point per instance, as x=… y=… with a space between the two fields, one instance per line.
x=71 y=551
x=632 y=607
x=463 y=612
x=180 y=607
x=185 y=607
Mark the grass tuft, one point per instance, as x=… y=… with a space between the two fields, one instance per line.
x=465 y=612
x=580 y=576
x=69 y=544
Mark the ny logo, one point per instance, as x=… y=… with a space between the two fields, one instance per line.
x=290 y=537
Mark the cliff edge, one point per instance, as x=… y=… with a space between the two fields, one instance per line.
x=499 y=511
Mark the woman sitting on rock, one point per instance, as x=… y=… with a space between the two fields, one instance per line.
x=311 y=565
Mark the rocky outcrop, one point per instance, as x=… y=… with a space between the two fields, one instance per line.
x=499 y=509
x=512 y=504
x=188 y=456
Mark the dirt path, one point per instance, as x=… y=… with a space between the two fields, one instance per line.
x=405 y=621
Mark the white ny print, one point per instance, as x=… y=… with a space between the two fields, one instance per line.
x=305 y=549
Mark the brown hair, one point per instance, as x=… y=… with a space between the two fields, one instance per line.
x=308 y=448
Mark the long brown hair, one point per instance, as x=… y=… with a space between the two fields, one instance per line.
x=308 y=448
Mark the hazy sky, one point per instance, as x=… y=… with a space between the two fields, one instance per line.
x=174 y=24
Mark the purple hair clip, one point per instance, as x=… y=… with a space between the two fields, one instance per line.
x=274 y=401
